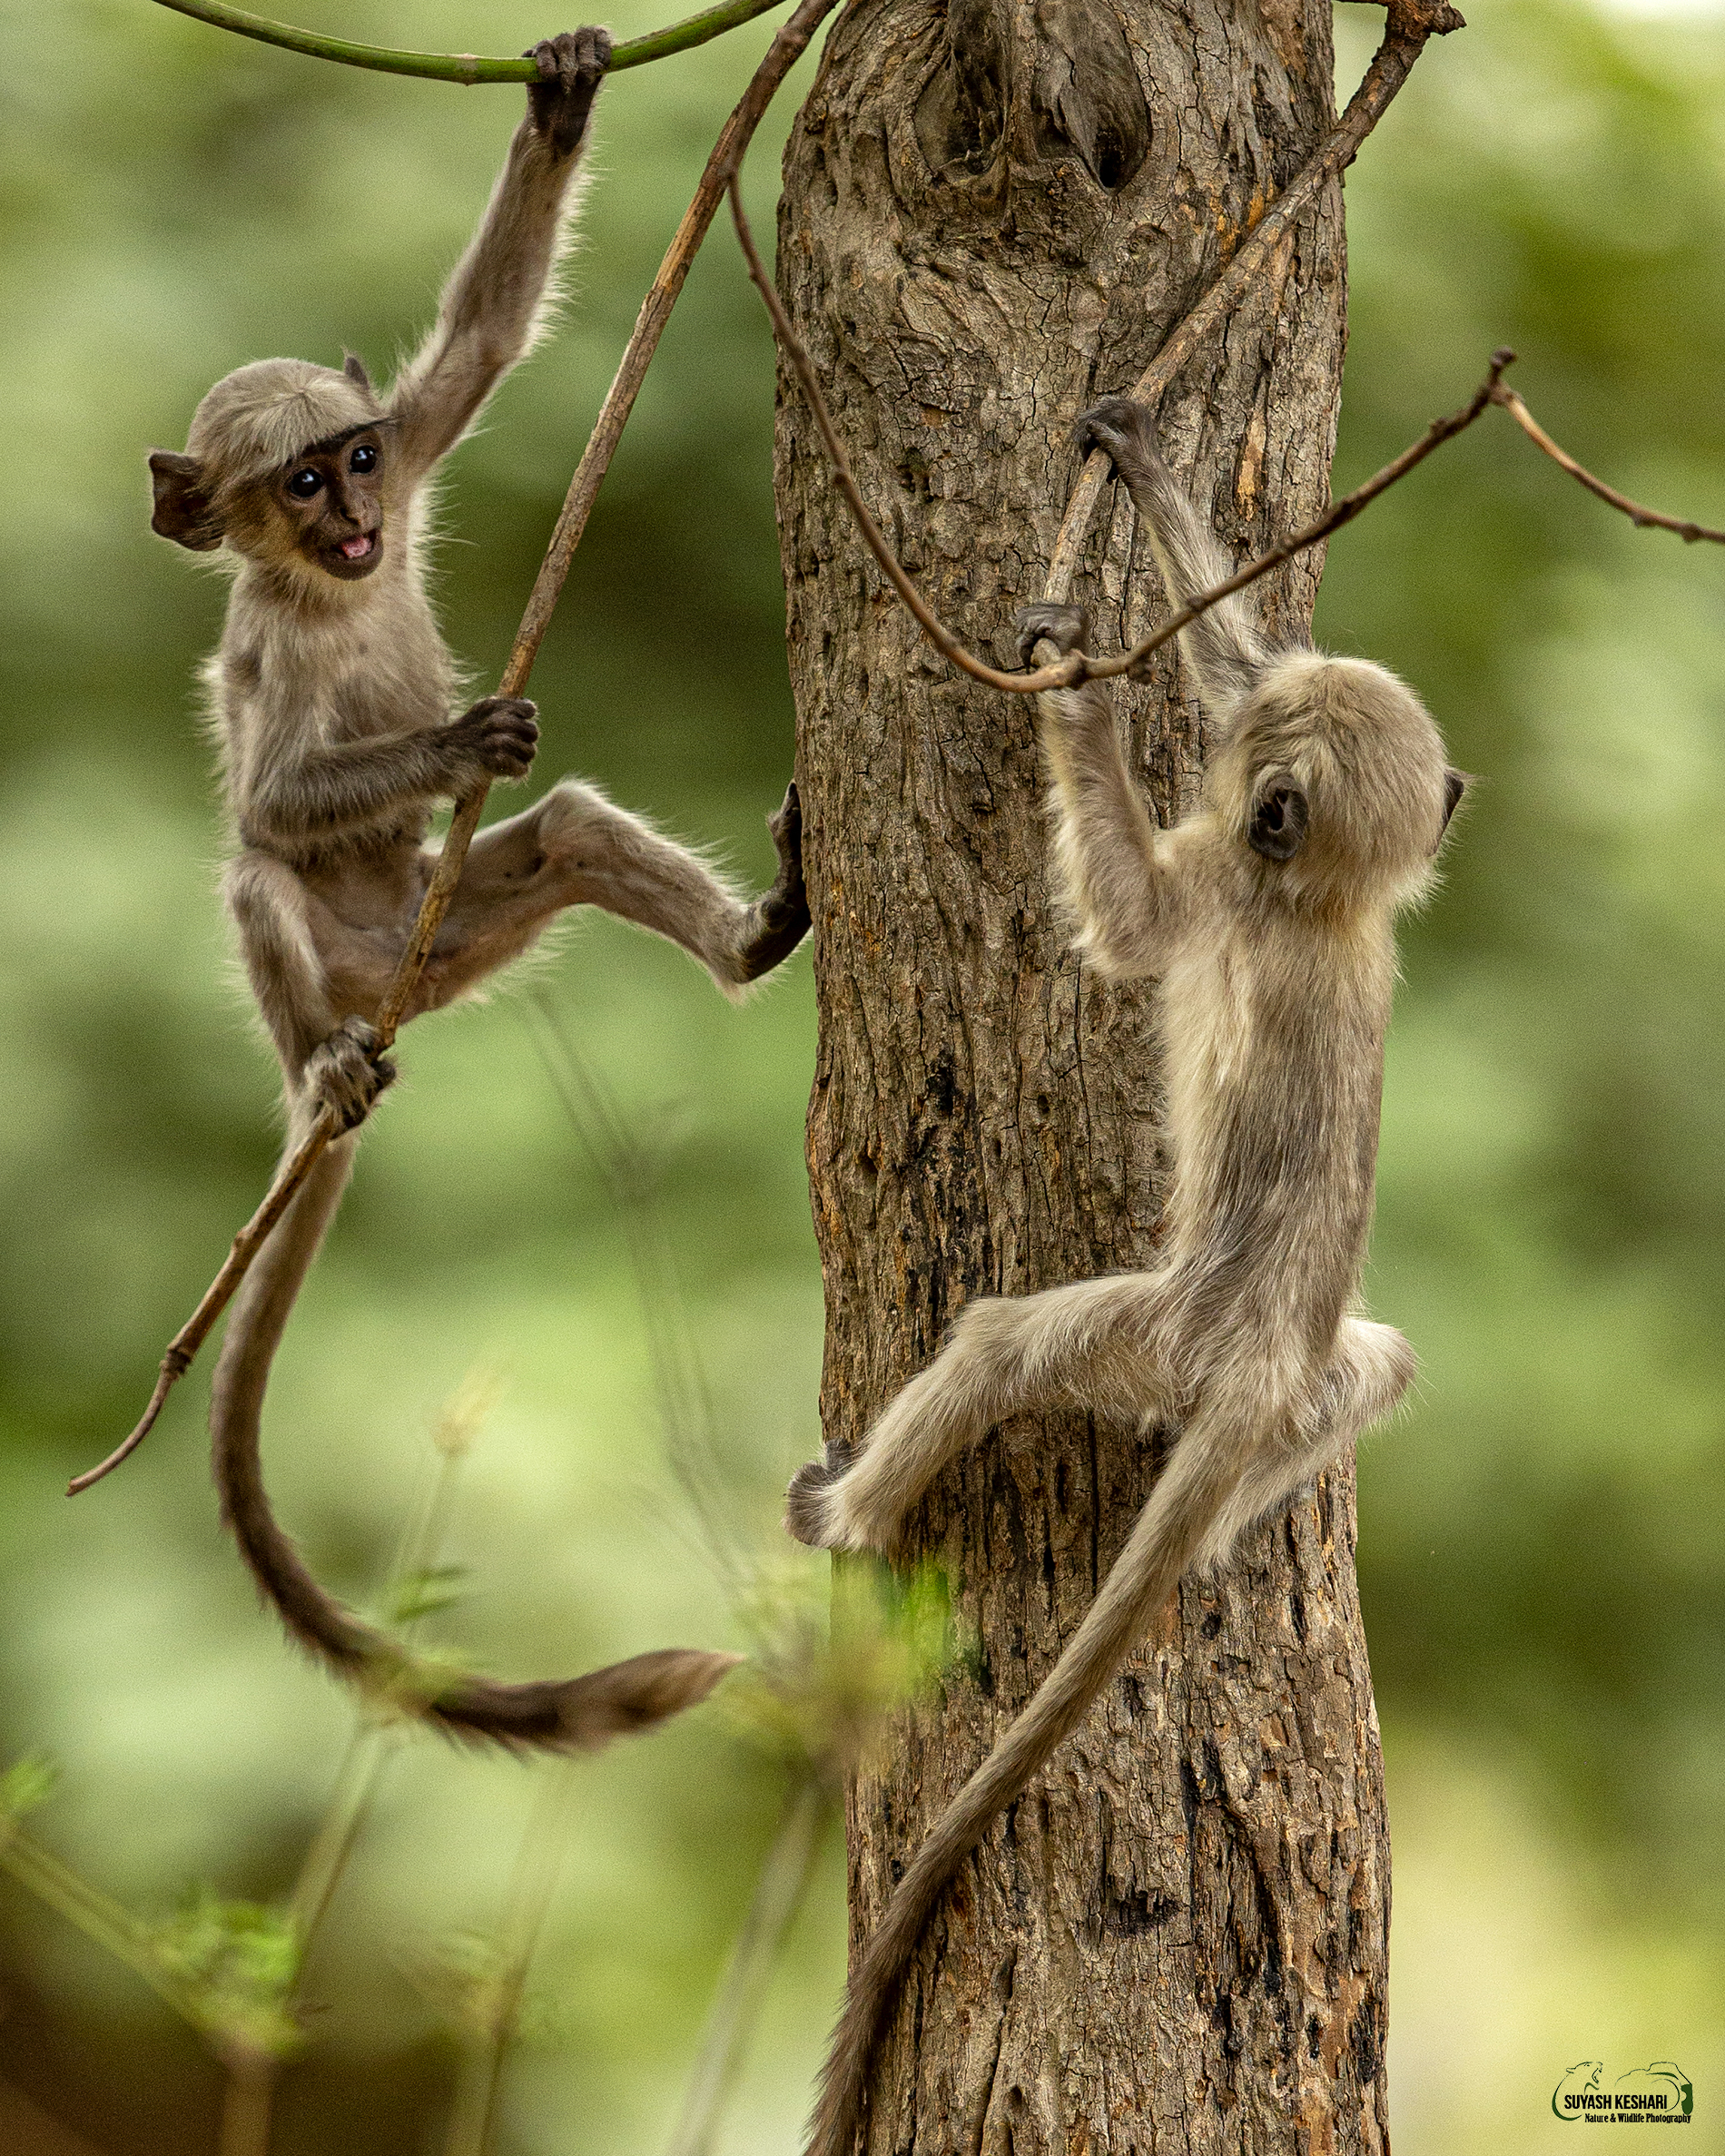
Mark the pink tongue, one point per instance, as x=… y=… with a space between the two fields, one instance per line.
x=354 y=548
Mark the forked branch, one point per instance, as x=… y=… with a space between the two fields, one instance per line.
x=781 y=55
x=1408 y=25
x=1078 y=666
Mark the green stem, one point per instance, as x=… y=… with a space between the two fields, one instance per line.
x=778 y=1894
x=105 y=1922
x=247 y=2103
x=466 y=68
x=356 y=1778
x=332 y=1845
x=473 y=2119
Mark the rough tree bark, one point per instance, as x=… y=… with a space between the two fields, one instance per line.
x=994 y=211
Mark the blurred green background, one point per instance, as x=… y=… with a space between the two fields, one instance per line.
x=1542 y=1554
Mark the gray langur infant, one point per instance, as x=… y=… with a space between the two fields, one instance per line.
x=1267 y=915
x=331 y=695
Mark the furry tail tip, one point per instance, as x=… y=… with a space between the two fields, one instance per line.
x=583 y=1714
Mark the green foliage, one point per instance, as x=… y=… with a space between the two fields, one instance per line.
x=829 y=1661
x=238 y=1963
x=417 y=1595
x=25 y=1785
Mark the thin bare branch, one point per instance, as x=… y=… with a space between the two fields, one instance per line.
x=787 y=47
x=465 y=68
x=1636 y=512
x=1338 y=514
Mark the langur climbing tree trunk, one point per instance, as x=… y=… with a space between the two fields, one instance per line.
x=994 y=212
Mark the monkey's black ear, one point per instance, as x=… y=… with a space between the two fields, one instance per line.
x=353 y=367
x=1278 y=829
x=184 y=510
x=1454 y=786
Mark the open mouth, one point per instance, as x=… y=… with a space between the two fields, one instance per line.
x=359 y=547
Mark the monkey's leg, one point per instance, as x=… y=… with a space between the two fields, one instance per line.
x=1372 y=1368
x=577 y=849
x=1089 y=1344
x=326 y=1062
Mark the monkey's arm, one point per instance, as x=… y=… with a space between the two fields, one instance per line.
x=494 y=305
x=330 y=792
x=1124 y=879
x=1224 y=646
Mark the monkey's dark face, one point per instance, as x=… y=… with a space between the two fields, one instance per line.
x=332 y=498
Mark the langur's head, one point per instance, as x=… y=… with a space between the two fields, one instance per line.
x=289 y=464
x=1333 y=775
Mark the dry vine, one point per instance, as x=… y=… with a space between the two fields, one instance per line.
x=1408 y=25
x=1078 y=666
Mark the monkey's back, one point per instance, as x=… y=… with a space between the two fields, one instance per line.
x=1273 y=1020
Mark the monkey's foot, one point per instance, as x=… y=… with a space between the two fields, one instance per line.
x=779 y=919
x=346 y=1072
x=571 y=68
x=1066 y=628
x=810 y=1512
x=1123 y=431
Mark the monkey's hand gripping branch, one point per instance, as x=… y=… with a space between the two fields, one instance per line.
x=781 y=55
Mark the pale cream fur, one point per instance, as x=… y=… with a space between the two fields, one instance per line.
x=1267 y=917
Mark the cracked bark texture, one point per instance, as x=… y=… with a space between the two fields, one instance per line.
x=994 y=211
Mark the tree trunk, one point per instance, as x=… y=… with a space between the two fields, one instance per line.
x=994 y=213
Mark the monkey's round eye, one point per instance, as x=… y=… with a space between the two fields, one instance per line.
x=304 y=483
x=363 y=459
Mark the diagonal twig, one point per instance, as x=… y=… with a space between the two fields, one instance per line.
x=1405 y=32
x=788 y=45
x=465 y=68
x=1654 y=520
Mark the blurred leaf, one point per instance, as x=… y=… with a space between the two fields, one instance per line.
x=25 y=1784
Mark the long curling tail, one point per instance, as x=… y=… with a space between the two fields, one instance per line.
x=1194 y=1487
x=575 y=1714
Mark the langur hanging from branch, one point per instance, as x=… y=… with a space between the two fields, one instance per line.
x=1327 y=798
x=1267 y=916
x=330 y=693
